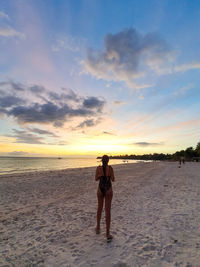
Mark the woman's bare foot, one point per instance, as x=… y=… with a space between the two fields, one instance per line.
x=109 y=237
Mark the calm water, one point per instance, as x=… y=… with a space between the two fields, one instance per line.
x=9 y=165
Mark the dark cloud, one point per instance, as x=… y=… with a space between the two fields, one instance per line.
x=9 y=101
x=3 y=84
x=46 y=107
x=145 y=144
x=58 y=123
x=93 y=103
x=42 y=132
x=127 y=55
x=71 y=95
x=3 y=111
x=26 y=137
x=47 y=113
x=108 y=133
x=16 y=86
x=8 y=91
x=37 y=89
x=9 y=97
x=88 y=123
x=18 y=153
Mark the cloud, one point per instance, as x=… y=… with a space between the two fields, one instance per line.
x=186 y=67
x=38 y=105
x=25 y=137
x=93 y=103
x=47 y=113
x=10 y=32
x=37 y=89
x=10 y=85
x=88 y=123
x=180 y=126
x=145 y=144
x=10 y=88
x=4 y=15
x=18 y=153
x=9 y=101
x=59 y=143
x=108 y=133
x=70 y=95
x=62 y=143
x=68 y=42
x=119 y=103
x=128 y=56
x=183 y=90
x=42 y=132
x=36 y=136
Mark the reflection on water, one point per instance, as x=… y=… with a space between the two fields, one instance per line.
x=10 y=165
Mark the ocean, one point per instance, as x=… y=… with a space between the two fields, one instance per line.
x=11 y=165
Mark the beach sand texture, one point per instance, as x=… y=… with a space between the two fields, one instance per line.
x=48 y=218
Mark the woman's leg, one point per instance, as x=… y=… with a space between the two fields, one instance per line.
x=99 y=209
x=108 y=200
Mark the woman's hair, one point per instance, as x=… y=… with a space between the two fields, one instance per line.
x=105 y=160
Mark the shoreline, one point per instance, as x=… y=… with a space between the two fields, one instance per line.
x=52 y=171
x=48 y=218
x=67 y=168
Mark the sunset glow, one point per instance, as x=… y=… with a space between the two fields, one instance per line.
x=95 y=77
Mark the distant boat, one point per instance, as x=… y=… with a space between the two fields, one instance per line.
x=59 y=158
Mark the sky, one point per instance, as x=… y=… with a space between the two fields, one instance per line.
x=97 y=77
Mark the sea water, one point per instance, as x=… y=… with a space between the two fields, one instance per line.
x=11 y=165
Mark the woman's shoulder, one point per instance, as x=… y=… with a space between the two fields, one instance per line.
x=110 y=168
x=99 y=167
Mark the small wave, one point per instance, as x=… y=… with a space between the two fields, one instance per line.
x=18 y=170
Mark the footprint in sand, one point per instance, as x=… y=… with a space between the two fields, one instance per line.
x=149 y=248
x=120 y=264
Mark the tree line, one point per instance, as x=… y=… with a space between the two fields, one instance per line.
x=189 y=154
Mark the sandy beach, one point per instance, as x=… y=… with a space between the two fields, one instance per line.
x=48 y=218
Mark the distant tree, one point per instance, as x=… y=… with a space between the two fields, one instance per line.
x=189 y=152
x=197 y=150
x=178 y=154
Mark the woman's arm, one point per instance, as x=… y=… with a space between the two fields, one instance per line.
x=112 y=176
x=97 y=174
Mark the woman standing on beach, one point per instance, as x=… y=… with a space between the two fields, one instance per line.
x=104 y=174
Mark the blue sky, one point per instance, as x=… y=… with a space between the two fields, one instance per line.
x=92 y=77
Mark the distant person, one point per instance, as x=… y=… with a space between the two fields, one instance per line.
x=105 y=176
x=181 y=160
